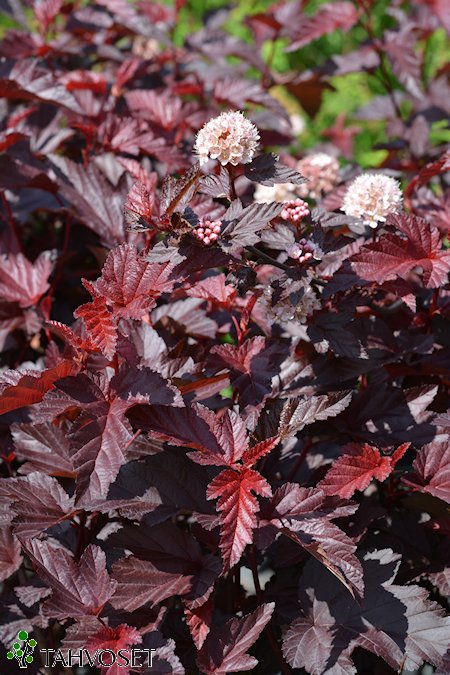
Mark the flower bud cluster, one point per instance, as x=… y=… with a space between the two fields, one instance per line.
x=208 y=231
x=294 y=210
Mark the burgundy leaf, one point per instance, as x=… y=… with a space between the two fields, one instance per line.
x=140 y=582
x=93 y=199
x=10 y=558
x=268 y=170
x=78 y=589
x=45 y=447
x=328 y=18
x=37 y=503
x=199 y=622
x=130 y=284
x=226 y=649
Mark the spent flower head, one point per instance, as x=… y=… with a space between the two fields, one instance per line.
x=372 y=197
x=231 y=138
x=322 y=172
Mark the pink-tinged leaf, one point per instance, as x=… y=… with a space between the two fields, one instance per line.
x=130 y=284
x=10 y=558
x=37 y=503
x=225 y=649
x=46 y=11
x=25 y=282
x=297 y=414
x=357 y=466
x=231 y=437
x=100 y=325
x=328 y=18
x=162 y=108
x=140 y=582
x=432 y=467
x=213 y=289
x=394 y=256
x=114 y=639
x=199 y=622
x=44 y=447
x=29 y=595
x=238 y=506
x=32 y=387
x=140 y=205
x=78 y=589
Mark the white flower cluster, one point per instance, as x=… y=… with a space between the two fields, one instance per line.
x=372 y=197
x=282 y=192
x=231 y=138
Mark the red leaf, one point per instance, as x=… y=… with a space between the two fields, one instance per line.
x=225 y=650
x=130 y=284
x=32 y=387
x=357 y=467
x=253 y=454
x=393 y=256
x=328 y=18
x=22 y=281
x=100 y=325
x=238 y=508
x=199 y=622
x=114 y=639
x=78 y=589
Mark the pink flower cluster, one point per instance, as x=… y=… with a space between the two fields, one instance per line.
x=294 y=210
x=304 y=251
x=208 y=230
